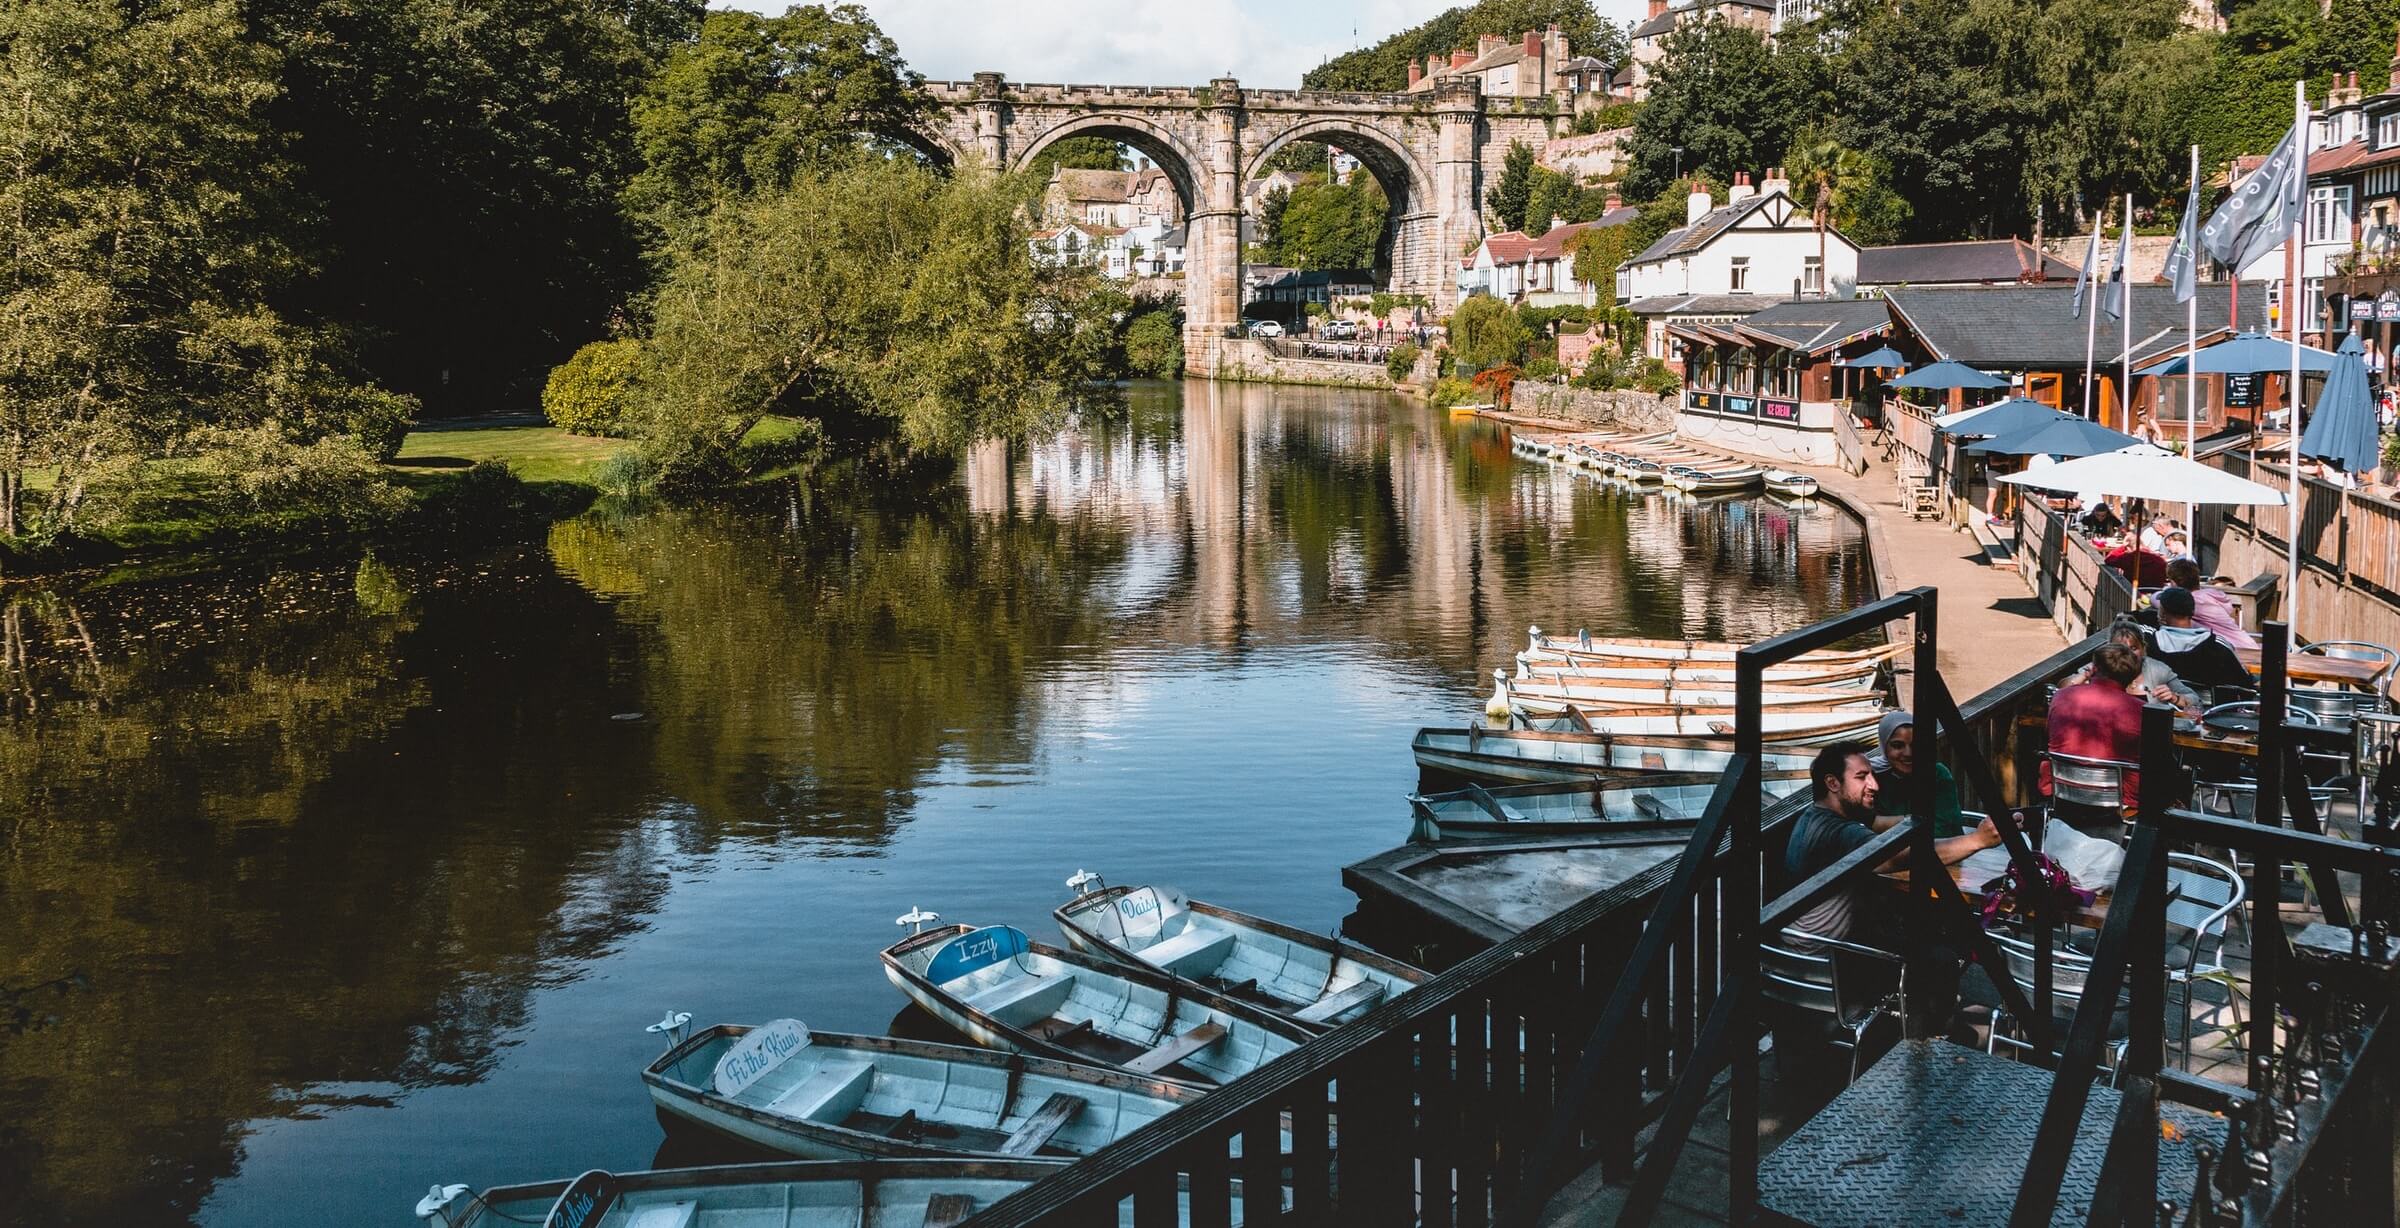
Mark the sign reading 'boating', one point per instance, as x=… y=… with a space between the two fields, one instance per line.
x=760 y=1050
x=976 y=950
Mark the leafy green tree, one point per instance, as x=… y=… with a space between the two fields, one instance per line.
x=876 y=292
x=1485 y=333
x=1301 y=158
x=142 y=245
x=1332 y=226
x=589 y=394
x=1845 y=190
x=1271 y=211
x=1085 y=153
x=756 y=99
x=1154 y=345
x=1384 y=66
x=1512 y=192
x=1553 y=196
x=1715 y=96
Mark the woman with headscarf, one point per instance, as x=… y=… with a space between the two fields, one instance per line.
x=1895 y=764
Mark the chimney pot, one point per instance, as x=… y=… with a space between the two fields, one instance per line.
x=1658 y=8
x=1615 y=202
x=1697 y=205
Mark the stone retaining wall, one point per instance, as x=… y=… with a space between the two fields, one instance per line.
x=1247 y=361
x=1623 y=410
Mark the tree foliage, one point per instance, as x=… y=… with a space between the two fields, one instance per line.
x=1714 y=95
x=1485 y=332
x=1080 y=153
x=1512 y=192
x=1384 y=66
x=1328 y=225
x=590 y=393
x=1154 y=345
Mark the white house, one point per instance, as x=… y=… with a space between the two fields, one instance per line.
x=1759 y=242
x=1496 y=266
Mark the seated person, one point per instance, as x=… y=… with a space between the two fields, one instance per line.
x=2159 y=537
x=2141 y=568
x=2189 y=649
x=2100 y=719
x=1895 y=767
x=2156 y=681
x=2211 y=606
x=2101 y=520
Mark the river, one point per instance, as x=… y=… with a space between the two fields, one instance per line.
x=321 y=883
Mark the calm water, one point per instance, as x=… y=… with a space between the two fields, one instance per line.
x=365 y=875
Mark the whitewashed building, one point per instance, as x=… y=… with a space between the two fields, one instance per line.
x=1760 y=242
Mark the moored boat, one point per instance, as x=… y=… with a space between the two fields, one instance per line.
x=1619 y=804
x=1785 y=482
x=790 y=1194
x=1009 y=992
x=830 y=1096
x=1693 y=479
x=1779 y=726
x=1551 y=756
x=1310 y=979
x=1719 y=674
x=1551 y=694
x=1641 y=649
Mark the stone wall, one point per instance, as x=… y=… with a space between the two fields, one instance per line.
x=1624 y=410
x=1241 y=359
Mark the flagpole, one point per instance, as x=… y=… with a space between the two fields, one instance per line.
x=2291 y=299
x=2091 y=324
x=2191 y=360
x=2124 y=278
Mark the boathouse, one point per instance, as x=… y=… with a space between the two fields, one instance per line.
x=1771 y=383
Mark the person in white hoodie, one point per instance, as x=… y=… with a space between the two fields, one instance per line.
x=2196 y=656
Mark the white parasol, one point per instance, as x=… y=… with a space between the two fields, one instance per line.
x=2151 y=474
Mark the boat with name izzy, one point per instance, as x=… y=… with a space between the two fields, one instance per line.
x=830 y=1096
x=1009 y=992
x=1312 y=980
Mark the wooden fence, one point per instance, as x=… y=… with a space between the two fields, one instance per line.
x=1849 y=451
x=2353 y=537
x=2066 y=573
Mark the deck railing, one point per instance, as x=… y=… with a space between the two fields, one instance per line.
x=2355 y=537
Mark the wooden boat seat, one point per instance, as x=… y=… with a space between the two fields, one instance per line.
x=1047 y=1120
x=948 y=1210
x=829 y=1096
x=672 y=1215
x=1194 y=951
x=1177 y=1048
x=1327 y=1009
x=995 y=1000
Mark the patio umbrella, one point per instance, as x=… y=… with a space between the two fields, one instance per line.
x=1883 y=356
x=2013 y=416
x=2350 y=345
x=1948 y=375
x=2150 y=474
x=2069 y=436
x=2245 y=354
x=2342 y=427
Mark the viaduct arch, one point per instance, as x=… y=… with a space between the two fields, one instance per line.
x=1432 y=151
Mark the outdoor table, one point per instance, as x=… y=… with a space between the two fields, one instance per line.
x=2088 y=916
x=2311 y=667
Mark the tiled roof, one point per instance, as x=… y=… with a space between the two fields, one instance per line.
x=1684 y=240
x=1656 y=25
x=1619 y=215
x=2030 y=326
x=1699 y=304
x=1507 y=247
x=1551 y=244
x=1811 y=325
x=1981 y=260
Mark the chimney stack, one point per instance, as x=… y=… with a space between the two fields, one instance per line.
x=2396 y=63
x=1487 y=44
x=1461 y=58
x=1775 y=182
x=1416 y=74
x=1433 y=65
x=1533 y=42
x=1741 y=189
x=1658 y=9
x=1697 y=205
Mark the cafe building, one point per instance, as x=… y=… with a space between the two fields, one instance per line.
x=1768 y=385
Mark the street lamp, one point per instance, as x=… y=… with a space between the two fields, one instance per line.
x=1678 y=161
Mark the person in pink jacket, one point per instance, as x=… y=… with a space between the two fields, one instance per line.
x=2211 y=608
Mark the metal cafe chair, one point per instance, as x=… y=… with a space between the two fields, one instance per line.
x=2202 y=896
x=2093 y=789
x=2069 y=968
x=2355 y=650
x=1811 y=983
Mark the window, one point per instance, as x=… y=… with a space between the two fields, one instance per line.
x=1738 y=278
x=1812 y=275
x=2329 y=214
x=2387 y=131
x=1624 y=285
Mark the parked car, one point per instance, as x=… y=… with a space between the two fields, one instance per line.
x=1265 y=328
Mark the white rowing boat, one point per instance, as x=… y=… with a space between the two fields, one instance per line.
x=828 y=1096
x=790 y=1194
x=1009 y=992
x=1785 y=482
x=1546 y=756
x=1552 y=694
x=1310 y=979
x=1638 y=649
x=1578 y=666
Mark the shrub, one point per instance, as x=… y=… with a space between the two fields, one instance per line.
x=1545 y=369
x=1488 y=333
x=1450 y=391
x=379 y=420
x=1657 y=377
x=335 y=476
x=588 y=393
x=1402 y=360
x=1154 y=346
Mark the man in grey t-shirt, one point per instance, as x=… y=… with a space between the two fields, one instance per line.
x=1840 y=817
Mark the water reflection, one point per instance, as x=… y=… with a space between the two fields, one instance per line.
x=365 y=875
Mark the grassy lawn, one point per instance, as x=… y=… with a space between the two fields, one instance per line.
x=534 y=450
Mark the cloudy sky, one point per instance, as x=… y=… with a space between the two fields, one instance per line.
x=1143 y=42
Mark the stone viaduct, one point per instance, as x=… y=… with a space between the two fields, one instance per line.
x=1432 y=151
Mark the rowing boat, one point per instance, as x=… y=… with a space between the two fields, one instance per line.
x=1785 y=482
x=830 y=1096
x=1692 y=479
x=1778 y=726
x=1631 y=648
x=1550 y=694
x=1718 y=674
x=1312 y=980
x=1009 y=992
x=1578 y=808
x=1552 y=756
x=788 y=1194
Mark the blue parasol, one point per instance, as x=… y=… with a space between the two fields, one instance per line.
x=2341 y=425
x=2244 y=354
x=2068 y=436
x=1948 y=375
x=1883 y=356
x=2014 y=416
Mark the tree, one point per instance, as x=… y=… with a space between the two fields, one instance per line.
x=1154 y=345
x=1553 y=196
x=757 y=99
x=1332 y=226
x=142 y=245
x=589 y=393
x=1301 y=158
x=459 y=167
x=875 y=293
x=1271 y=210
x=1512 y=193
x=1084 y=153
x=1845 y=190
x=1384 y=66
x=1485 y=332
x=1713 y=95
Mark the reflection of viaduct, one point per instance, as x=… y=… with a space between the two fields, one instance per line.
x=1430 y=151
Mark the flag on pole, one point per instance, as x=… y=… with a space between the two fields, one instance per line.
x=2183 y=262
x=2261 y=210
x=2091 y=260
x=2112 y=298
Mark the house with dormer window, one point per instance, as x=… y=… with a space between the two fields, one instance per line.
x=1759 y=244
